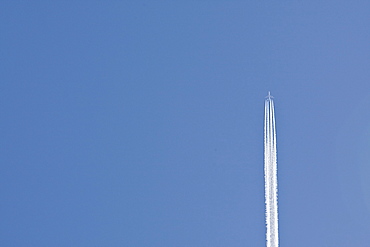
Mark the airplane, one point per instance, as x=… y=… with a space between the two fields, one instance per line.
x=269 y=96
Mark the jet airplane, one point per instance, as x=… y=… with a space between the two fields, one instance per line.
x=269 y=96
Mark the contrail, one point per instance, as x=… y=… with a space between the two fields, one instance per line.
x=272 y=231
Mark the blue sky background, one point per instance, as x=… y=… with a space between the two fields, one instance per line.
x=140 y=123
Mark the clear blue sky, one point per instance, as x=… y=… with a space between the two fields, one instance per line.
x=140 y=123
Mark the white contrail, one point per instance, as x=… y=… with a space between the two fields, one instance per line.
x=272 y=232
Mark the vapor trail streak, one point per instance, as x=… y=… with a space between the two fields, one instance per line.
x=270 y=167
